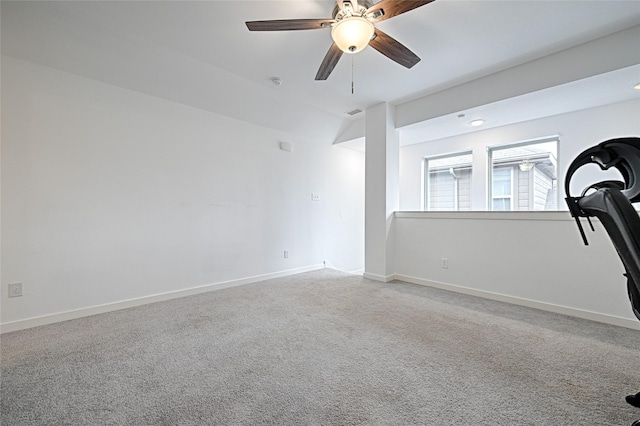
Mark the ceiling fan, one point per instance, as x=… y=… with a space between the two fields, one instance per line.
x=352 y=29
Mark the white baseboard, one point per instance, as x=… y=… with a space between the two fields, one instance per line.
x=109 y=307
x=565 y=310
x=381 y=278
x=124 y=304
x=330 y=265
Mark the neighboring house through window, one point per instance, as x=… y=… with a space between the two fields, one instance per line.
x=524 y=176
x=521 y=176
x=502 y=189
x=448 y=182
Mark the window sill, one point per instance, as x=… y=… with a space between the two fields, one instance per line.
x=558 y=215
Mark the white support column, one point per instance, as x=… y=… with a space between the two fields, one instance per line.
x=381 y=191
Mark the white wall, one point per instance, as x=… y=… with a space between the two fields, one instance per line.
x=533 y=259
x=536 y=259
x=110 y=195
x=381 y=195
x=343 y=199
x=577 y=131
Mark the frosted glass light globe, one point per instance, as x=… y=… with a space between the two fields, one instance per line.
x=352 y=34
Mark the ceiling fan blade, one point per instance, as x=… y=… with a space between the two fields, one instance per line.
x=393 y=8
x=329 y=62
x=289 y=24
x=393 y=49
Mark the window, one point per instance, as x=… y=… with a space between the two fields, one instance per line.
x=501 y=188
x=448 y=182
x=524 y=176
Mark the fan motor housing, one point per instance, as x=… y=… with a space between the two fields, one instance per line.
x=366 y=4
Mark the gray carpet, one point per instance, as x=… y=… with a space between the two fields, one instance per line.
x=321 y=348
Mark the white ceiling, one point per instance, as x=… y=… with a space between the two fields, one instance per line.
x=200 y=52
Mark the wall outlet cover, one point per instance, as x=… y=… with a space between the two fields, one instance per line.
x=15 y=290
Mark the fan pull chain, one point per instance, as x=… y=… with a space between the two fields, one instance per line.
x=352 y=91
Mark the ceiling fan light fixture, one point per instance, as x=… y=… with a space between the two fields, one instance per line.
x=352 y=34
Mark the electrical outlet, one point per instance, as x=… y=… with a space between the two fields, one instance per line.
x=444 y=263
x=15 y=290
x=286 y=254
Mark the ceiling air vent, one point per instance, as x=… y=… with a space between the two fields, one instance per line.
x=354 y=112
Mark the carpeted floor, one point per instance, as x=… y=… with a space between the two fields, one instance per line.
x=321 y=348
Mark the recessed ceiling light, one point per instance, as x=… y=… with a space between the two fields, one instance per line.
x=478 y=122
x=637 y=86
